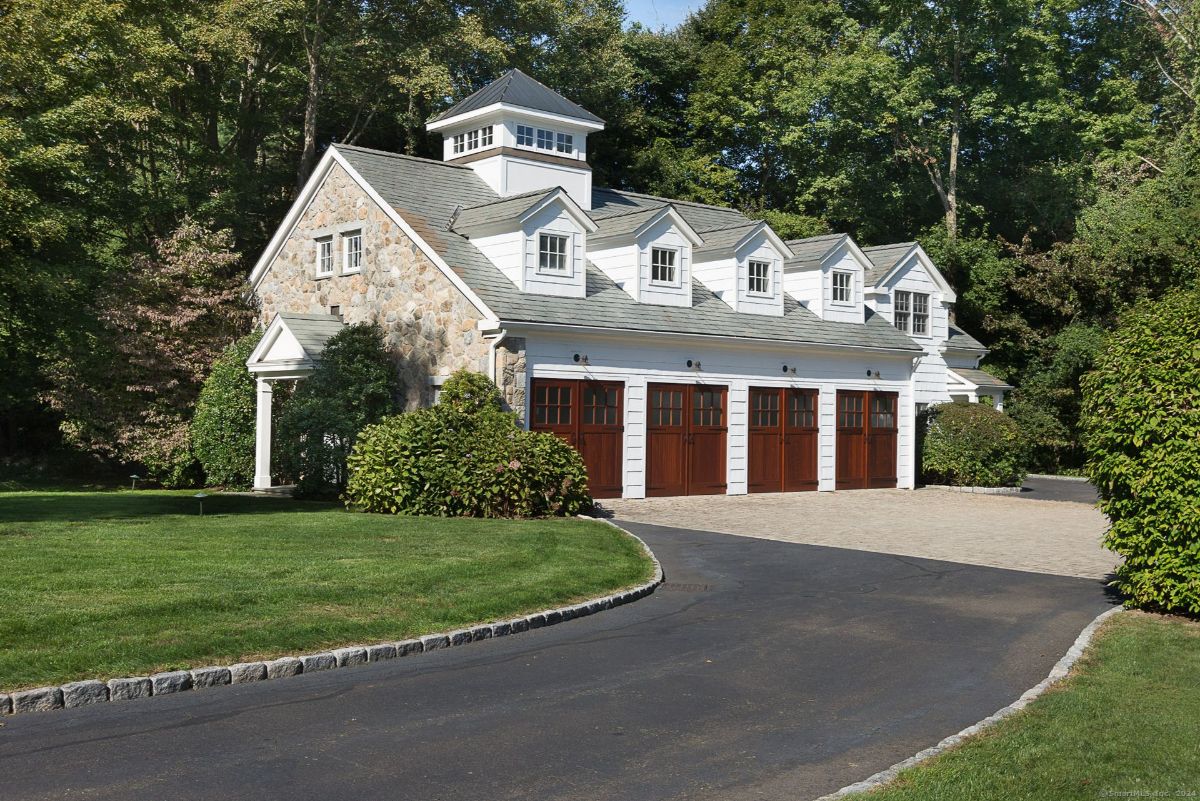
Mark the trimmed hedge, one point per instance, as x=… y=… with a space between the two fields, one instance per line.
x=223 y=426
x=973 y=445
x=464 y=457
x=1141 y=427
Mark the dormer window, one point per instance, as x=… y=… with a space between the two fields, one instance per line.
x=552 y=253
x=565 y=143
x=911 y=313
x=662 y=266
x=843 y=287
x=760 y=277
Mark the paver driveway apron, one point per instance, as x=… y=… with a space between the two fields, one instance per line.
x=991 y=530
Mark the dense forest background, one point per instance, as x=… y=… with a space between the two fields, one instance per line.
x=1043 y=151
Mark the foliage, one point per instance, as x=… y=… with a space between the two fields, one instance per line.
x=1141 y=424
x=354 y=384
x=972 y=445
x=464 y=457
x=97 y=579
x=223 y=427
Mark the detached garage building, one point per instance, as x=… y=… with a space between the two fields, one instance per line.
x=682 y=348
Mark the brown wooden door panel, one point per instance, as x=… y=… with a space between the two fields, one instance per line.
x=866 y=439
x=851 y=440
x=782 y=446
x=764 y=462
x=800 y=429
x=881 y=440
x=685 y=439
x=706 y=440
x=588 y=415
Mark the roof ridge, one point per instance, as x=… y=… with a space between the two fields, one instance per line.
x=669 y=200
x=890 y=245
x=746 y=224
x=404 y=156
x=815 y=238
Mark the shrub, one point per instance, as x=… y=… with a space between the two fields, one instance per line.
x=353 y=385
x=1141 y=425
x=972 y=445
x=223 y=426
x=464 y=457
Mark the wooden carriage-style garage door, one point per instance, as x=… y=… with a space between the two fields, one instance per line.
x=685 y=439
x=783 y=440
x=586 y=414
x=866 y=439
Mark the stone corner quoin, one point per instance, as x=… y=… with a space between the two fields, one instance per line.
x=93 y=691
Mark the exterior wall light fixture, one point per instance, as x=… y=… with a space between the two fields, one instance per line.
x=693 y=363
x=581 y=358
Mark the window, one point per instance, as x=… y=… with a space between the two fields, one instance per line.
x=843 y=287
x=850 y=410
x=662 y=265
x=802 y=409
x=460 y=143
x=473 y=139
x=883 y=412
x=325 y=256
x=566 y=143
x=708 y=407
x=352 y=252
x=525 y=135
x=760 y=277
x=552 y=404
x=545 y=139
x=764 y=409
x=911 y=312
x=485 y=136
x=601 y=405
x=666 y=407
x=336 y=311
x=552 y=253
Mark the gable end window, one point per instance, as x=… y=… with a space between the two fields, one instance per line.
x=566 y=143
x=325 y=256
x=525 y=135
x=662 y=266
x=910 y=312
x=352 y=252
x=843 y=287
x=552 y=253
x=760 y=277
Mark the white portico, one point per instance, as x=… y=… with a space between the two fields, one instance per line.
x=289 y=350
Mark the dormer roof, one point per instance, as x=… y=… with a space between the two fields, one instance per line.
x=725 y=241
x=811 y=252
x=888 y=259
x=515 y=88
x=633 y=224
x=519 y=208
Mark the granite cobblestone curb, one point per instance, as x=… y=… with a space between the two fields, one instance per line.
x=90 y=691
x=975 y=490
x=1057 y=674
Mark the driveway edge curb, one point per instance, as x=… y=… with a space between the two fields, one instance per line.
x=1057 y=674
x=92 y=691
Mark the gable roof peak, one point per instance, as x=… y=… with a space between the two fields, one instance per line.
x=515 y=88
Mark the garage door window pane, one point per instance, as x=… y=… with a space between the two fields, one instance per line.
x=883 y=413
x=666 y=407
x=800 y=410
x=765 y=410
x=706 y=407
x=599 y=406
x=850 y=411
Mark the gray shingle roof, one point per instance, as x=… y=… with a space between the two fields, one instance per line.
x=626 y=223
x=884 y=257
x=510 y=208
x=812 y=251
x=959 y=339
x=312 y=331
x=426 y=192
x=517 y=89
x=980 y=378
x=724 y=238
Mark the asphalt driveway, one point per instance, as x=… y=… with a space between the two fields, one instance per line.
x=761 y=670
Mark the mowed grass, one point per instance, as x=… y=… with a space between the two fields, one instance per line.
x=1126 y=724
x=120 y=583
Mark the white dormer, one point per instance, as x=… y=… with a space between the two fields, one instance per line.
x=538 y=240
x=907 y=290
x=648 y=253
x=743 y=266
x=520 y=136
x=827 y=276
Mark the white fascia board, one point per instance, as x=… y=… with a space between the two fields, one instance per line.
x=494 y=108
x=749 y=342
x=267 y=341
x=560 y=195
x=772 y=237
x=330 y=158
x=292 y=218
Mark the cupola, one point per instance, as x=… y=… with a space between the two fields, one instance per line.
x=520 y=136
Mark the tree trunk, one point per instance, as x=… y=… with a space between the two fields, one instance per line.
x=951 y=198
x=312 y=48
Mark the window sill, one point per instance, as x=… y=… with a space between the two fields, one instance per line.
x=322 y=276
x=665 y=284
x=352 y=272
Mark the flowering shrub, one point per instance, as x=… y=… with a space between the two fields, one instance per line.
x=464 y=457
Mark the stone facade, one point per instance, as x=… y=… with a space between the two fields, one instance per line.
x=510 y=373
x=430 y=324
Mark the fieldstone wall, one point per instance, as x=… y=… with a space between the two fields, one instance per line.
x=510 y=373
x=430 y=325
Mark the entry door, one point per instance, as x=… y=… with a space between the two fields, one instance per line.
x=685 y=439
x=782 y=440
x=866 y=439
x=587 y=414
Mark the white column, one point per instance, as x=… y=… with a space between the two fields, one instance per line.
x=262 y=437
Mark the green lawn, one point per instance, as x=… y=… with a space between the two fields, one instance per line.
x=102 y=584
x=1126 y=724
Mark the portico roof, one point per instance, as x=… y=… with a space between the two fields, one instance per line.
x=292 y=344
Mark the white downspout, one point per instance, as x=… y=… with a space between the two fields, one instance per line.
x=500 y=337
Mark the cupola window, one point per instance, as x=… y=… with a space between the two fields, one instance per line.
x=565 y=143
x=473 y=140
